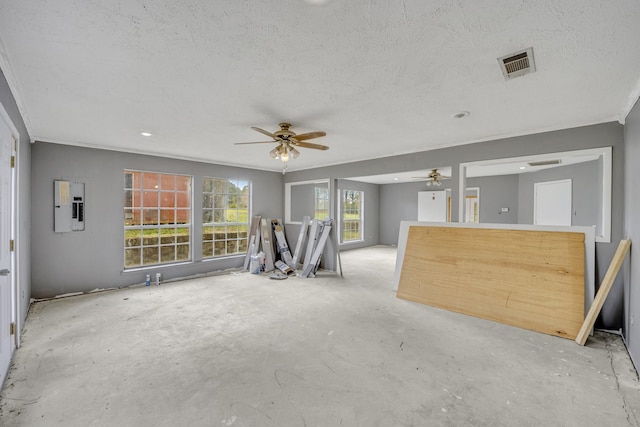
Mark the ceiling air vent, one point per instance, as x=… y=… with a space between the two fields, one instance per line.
x=517 y=64
x=545 y=163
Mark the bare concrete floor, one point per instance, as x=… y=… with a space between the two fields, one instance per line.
x=243 y=350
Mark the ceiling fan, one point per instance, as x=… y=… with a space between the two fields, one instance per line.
x=287 y=142
x=433 y=178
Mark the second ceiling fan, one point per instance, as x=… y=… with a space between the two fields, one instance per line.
x=433 y=178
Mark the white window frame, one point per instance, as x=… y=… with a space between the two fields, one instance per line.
x=341 y=196
x=214 y=224
x=158 y=226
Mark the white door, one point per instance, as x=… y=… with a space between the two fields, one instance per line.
x=552 y=203
x=6 y=344
x=432 y=206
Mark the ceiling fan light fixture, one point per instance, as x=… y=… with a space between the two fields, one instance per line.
x=294 y=153
x=275 y=153
x=284 y=154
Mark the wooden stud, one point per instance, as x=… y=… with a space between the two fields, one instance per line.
x=603 y=291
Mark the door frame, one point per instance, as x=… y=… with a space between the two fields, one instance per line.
x=15 y=232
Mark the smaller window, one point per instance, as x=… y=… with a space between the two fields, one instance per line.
x=225 y=217
x=352 y=207
x=321 y=205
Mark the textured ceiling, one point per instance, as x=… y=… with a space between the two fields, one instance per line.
x=380 y=77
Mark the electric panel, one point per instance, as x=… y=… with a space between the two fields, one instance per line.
x=69 y=208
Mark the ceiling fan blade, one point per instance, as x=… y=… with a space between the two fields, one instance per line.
x=309 y=135
x=309 y=145
x=256 y=142
x=264 y=132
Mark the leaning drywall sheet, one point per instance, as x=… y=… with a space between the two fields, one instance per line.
x=589 y=248
x=525 y=278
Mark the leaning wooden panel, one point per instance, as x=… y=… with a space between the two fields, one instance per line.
x=530 y=279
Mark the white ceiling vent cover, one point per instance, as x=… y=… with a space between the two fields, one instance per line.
x=517 y=64
x=546 y=163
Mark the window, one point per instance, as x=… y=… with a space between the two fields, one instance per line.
x=352 y=202
x=321 y=204
x=225 y=216
x=157 y=218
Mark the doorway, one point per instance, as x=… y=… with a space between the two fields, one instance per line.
x=552 y=203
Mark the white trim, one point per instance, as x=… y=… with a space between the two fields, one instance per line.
x=605 y=152
x=16 y=289
x=631 y=102
x=7 y=69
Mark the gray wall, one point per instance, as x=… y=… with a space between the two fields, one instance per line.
x=23 y=232
x=586 y=185
x=91 y=259
x=399 y=202
x=632 y=230
x=303 y=201
x=602 y=135
x=497 y=192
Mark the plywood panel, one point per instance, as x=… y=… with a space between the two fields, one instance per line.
x=530 y=279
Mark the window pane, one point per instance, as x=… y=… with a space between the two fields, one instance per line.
x=220 y=186
x=150 y=217
x=218 y=215
x=132 y=217
x=183 y=183
x=219 y=248
x=132 y=238
x=182 y=252
x=150 y=199
x=150 y=181
x=207 y=234
x=167 y=182
x=207 y=216
x=167 y=216
x=183 y=216
x=219 y=201
x=132 y=257
x=167 y=253
x=128 y=199
x=207 y=249
x=150 y=255
x=207 y=185
x=167 y=235
x=207 y=200
x=151 y=237
x=219 y=232
x=183 y=235
x=167 y=199
x=243 y=231
x=128 y=180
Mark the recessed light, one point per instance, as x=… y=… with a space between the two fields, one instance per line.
x=522 y=167
x=460 y=115
x=146 y=133
x=395 y=179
